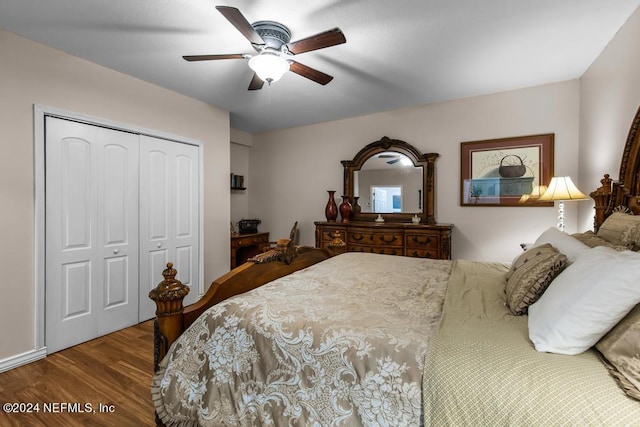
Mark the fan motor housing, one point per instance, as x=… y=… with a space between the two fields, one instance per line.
x=273 y=33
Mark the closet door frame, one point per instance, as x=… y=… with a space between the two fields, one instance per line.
x=39 y=114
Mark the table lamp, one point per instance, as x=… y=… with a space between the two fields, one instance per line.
x=561 y=189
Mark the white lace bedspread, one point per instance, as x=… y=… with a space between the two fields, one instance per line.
x=339 y=343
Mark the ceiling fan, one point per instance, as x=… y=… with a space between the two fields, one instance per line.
x=395 y=158
x=275 y=51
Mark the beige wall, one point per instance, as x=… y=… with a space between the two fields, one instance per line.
x=292 y=169
x=33 y=73
x=610 y=96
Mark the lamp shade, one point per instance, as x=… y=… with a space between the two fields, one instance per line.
x=562 y=188
x=269 y=66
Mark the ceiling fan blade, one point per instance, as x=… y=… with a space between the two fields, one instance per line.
x=238 y=20
x=192 y=58
x=390 y=162
x=319 y=41
x=310 y=73
x=256 y=83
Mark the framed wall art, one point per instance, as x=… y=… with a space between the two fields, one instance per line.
x=507 y=171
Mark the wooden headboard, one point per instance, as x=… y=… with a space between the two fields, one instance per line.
x=624 y=194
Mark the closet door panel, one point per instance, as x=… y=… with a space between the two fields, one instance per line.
x=118 y=218
x=75 y=192
x=169 y=216
x=76 y=290
x=91 y=218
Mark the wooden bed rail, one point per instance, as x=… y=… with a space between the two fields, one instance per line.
x=172 y=318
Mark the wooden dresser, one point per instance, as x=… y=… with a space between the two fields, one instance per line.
x=408 y=239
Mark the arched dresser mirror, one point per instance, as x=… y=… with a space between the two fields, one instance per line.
x=402 y=170
x=391 y=187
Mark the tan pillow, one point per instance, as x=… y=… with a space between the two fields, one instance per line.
x=530 y=275
x=621 y=229
x=592 y=240
x=621 y=349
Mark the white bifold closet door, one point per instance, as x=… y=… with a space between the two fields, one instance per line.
x=169 y=216
x=119 y=206
x=91 y=232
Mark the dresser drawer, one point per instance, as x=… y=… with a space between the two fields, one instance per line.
x=377 y=249
x=421 y=253
x=357 y=237
x=327 y=234
x=239 y=242
x=423 y=241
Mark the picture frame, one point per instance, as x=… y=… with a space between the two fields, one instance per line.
x=507 y=171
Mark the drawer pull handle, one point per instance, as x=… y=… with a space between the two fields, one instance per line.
x=418 y=255
x=393 y=239
x=426 y=241
x=357 y=237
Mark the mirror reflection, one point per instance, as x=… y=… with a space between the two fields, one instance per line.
x=388 y=182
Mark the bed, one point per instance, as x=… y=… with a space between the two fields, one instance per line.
x=299 y=337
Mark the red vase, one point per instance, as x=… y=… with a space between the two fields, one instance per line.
x=331 y=210
x=345 y=209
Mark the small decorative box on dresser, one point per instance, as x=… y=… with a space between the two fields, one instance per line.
x=408 y=239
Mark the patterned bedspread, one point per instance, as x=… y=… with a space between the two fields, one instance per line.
x=481 y=368
x=339 y=343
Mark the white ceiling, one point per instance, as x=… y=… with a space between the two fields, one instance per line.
x=398 y=53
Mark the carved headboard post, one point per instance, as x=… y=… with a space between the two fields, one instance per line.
x=602 y=197
x=168 y=326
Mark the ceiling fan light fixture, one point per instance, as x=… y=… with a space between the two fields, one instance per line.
x=269 y=66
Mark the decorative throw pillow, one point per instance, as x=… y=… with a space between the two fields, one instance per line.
x=592 y=240
x=530 y=274
x=563 y=242
x=621 y=229
x=621 y=349
x=585 y=301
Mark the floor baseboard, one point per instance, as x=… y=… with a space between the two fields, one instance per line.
x=22 y=359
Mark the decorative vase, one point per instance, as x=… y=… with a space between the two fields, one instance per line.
x=355 y=207
x=331 y=210
x=345 y=209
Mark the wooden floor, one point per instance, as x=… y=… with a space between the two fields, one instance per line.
x=114 y=371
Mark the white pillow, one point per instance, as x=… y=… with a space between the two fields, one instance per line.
x=585 y=301
x=564 y=243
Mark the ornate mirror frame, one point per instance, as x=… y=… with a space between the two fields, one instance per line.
x=425 y=161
